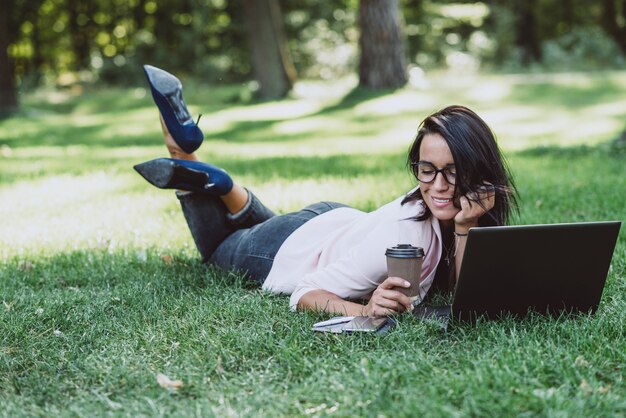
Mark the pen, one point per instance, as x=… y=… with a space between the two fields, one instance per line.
x=334 y=321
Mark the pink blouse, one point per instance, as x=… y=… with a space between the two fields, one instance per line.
x=343 y=251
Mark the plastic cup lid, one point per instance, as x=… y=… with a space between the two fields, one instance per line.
x=405 y=251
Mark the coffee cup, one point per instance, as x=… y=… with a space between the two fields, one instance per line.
x=405 y=261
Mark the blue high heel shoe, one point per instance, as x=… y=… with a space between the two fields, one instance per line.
x=167 y=92
x=194 y=176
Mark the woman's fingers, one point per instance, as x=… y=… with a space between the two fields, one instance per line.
x=386 y=297
x=466 y=206
x=380 y=310
x=386 y=300
x=482 y=195
x=391 y=282
x=377 y=311
x=394 y=294
x=486 y=187
x=393 y=298
x=475 y=204
x=487 y=194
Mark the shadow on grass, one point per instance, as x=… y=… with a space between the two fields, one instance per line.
x=356 y=96
x=605 y=149
x=292 y=168
x=241 y=131
x=100 y=99
x=91 y=101
x=47 y=130
x=572 y=96
x=339 y=166
x=93 y=135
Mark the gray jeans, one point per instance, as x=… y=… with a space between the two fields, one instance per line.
x=246 y=241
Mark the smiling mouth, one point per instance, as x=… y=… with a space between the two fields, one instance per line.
x=442 y=201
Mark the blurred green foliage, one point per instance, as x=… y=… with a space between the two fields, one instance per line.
x=65 y=41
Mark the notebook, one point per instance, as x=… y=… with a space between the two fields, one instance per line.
x=513 y=270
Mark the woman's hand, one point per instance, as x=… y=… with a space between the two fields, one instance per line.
x=473 y=206
x=387 y=301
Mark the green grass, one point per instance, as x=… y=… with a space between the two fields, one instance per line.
x=102 y=289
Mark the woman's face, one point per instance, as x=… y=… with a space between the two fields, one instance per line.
x=438 y=194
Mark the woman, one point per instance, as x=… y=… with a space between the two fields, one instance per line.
x=329 y=256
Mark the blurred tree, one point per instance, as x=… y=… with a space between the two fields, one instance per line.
x=81 y=31
x=383 y=59
x=614 y=21
x=525 y=30
x=14 y=13
x=269 y=54
x=413 y=11
x=322 y=36
x=139 y=15
x=228 y=40
x=8 y=92
x=166 y=30
x=38 y=60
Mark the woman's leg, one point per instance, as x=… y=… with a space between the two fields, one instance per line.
x=252 y=250
x=211 y=223
x=234 y=200
x=211 y=219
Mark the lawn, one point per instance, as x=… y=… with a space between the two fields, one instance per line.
x=102 y=290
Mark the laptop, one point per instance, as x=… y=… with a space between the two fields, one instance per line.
x=513 y=270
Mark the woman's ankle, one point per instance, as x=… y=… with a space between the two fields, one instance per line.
x=236 y=199
x=179 y=154
x=173 y=148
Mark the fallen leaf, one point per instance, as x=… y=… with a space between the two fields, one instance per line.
x=544 y=393
x=604 y=389
x=167 y=259
x=26 y=266
x=166 y=382
x=580 y=361
x=584 y=385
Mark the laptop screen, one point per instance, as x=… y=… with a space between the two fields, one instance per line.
x=543 y=268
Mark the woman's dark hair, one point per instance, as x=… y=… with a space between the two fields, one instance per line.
x=476 y=157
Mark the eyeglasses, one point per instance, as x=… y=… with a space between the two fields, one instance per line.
x=426 y=172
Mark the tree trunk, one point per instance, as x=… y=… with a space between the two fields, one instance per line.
x=270 y=58
x=609 y=14
x=38 y=60
x=622 y=36
x=526 y=38
x=383 y=60
x=139 y=15
x=80 y=37
x=8 y=89
x=610 y=18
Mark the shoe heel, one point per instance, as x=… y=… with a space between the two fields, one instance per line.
x=194 y=176
x=195 y=179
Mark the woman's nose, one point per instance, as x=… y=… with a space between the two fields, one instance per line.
x=440 y=182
